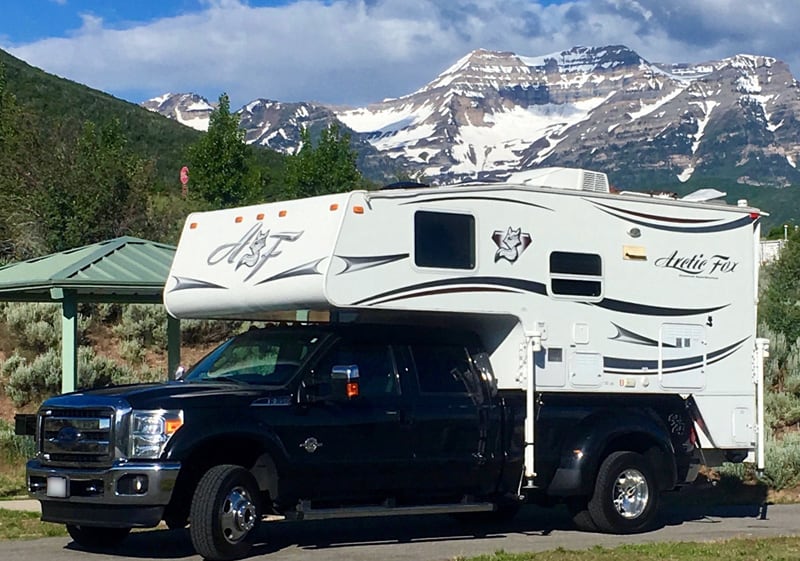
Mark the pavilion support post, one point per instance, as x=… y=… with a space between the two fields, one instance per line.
x=69 y=342
x=173 y=346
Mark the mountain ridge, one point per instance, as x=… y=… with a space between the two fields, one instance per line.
x=491 y=113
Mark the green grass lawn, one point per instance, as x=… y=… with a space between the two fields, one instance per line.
x=762 y=549
x=16 y=525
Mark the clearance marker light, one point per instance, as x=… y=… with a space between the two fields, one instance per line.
x=358 y=209
x=260 y=216
x=238 y=219
x=334 y=206
x=193 y=225
x=282 y=213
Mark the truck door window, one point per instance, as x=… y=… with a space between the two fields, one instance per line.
x=444 y=369
x=377 y=375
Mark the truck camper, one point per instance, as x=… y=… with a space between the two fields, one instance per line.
x=541 y=340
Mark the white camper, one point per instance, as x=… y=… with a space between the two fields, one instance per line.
x=575 y=289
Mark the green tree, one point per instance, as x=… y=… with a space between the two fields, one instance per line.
x=328 y=167
x=91 y=187
x=780 y=301
x=220 y=162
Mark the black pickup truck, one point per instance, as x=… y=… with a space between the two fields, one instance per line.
x=342 y=420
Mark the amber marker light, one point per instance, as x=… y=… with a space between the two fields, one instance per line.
x=358 y=209
x=281 y=213
x=193 y=226
x=172 y=424
x=334 y=206
x=260 y=216
x=352 y=390
x=238 y=219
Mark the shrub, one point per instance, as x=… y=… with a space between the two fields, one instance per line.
x=32 y=382
x=143 y=323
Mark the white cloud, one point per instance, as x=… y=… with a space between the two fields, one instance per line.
x=357 y=51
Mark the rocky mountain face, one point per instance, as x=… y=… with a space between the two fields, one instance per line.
x=603 y=108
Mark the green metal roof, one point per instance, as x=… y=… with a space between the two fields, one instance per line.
x=123 y=269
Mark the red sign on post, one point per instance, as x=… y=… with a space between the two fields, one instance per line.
x=184 y=180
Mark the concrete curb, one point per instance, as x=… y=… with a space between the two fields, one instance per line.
x=28 y=505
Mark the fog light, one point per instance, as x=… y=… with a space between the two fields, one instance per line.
x=132 y=485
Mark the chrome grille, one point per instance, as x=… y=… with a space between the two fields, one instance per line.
x=77 y=436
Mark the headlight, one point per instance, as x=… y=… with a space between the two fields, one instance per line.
x=151 y=430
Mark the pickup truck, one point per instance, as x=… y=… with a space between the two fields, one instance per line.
x=311 y=421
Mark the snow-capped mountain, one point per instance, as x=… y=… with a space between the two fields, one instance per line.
x=190 y=109
x=605 y=108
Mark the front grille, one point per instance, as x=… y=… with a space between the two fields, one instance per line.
x=77 y=436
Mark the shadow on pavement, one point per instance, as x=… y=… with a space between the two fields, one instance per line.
x=696 y=503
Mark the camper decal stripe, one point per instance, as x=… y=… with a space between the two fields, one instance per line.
x=185 y=283
x=613 y=365
x=466 y=284
x=743 y=221
x=643 y=309
x=626 y=336
x=656 y=217
x=476 y=198
x=310 y=268
x=353 y=264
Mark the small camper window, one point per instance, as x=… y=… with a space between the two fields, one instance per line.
x=444 y=240
x=576 y=275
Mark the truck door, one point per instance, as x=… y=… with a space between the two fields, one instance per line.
x=349 y=447
x=451 y=416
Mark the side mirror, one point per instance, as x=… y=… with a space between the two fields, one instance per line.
x=179 y=372
x=345 y=381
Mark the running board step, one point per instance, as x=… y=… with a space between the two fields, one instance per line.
x=305 y=512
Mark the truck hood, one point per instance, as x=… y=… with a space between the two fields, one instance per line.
x=173 y=395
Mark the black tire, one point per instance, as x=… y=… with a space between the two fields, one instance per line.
x=225 y=513
x=93 y=537
x=578 y=508
x=625 y=498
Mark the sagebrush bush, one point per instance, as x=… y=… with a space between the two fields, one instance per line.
x=36 y=327
x=143 y=323
x=33 y=381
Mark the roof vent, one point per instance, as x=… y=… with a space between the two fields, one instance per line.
x=573 y=179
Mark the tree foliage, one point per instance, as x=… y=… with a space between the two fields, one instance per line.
x=780 y=301
x=220 y=162
x=328 y=167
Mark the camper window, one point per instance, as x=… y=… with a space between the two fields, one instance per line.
x=444 y=240
x=576 y=275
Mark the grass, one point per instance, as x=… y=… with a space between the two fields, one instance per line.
x=16 y=525
x=730 y=550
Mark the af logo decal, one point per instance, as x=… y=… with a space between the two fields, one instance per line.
x=510 y=244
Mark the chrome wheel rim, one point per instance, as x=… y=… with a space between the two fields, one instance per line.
x=631 y=494
x=238 y=516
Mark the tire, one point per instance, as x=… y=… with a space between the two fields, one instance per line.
x=93 y=537
x=225 y=513
x=625 y=498
x=578 y=508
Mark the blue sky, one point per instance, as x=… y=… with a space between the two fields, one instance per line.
x=359 y=51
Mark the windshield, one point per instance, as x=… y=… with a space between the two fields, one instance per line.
x=264 y=356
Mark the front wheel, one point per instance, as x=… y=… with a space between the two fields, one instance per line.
x=225 y=513
x=92 y=537
x=625 y=498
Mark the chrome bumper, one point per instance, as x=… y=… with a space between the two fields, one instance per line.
x=112 y=486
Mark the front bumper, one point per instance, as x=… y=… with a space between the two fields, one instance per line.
x=128 y=494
